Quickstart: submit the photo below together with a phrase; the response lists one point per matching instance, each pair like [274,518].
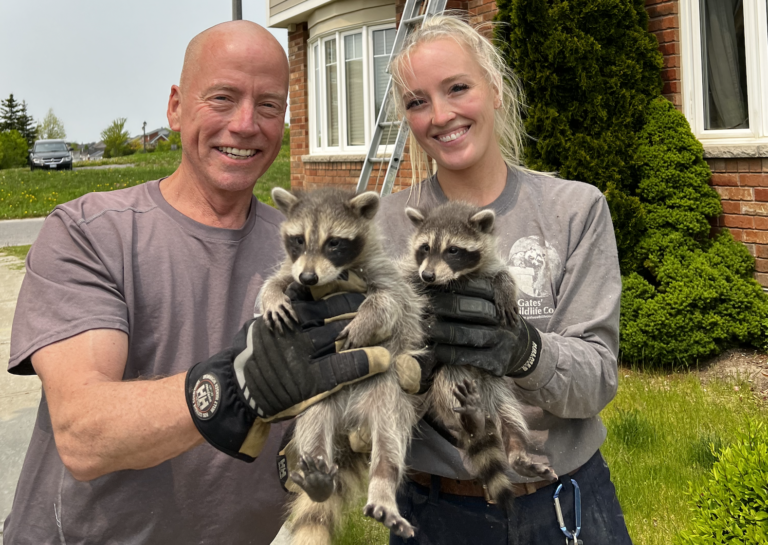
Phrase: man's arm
[103,424]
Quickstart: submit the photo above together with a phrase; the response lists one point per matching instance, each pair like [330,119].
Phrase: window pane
[724,65]
[332,93]
[318,100]
[383,40]
[353,66]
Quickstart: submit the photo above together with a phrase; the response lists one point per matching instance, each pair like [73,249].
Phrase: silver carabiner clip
[571,538]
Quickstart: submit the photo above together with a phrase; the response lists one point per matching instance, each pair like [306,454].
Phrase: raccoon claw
[391,519]
[317,478]
[283,316]
[528,468]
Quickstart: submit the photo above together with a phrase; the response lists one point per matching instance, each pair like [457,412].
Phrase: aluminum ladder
[415,12]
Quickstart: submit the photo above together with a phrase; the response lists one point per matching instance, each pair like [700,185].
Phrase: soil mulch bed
[739,364]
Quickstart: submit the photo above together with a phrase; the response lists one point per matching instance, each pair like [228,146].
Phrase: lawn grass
[25,194]
[660,429]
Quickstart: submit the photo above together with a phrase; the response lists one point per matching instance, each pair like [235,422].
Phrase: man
[146,283]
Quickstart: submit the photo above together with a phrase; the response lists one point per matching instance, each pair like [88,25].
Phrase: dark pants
[445,519]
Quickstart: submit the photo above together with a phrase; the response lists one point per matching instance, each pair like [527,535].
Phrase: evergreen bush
[588,69]
[732,507]
[692,296]
[592,75]
[13,150]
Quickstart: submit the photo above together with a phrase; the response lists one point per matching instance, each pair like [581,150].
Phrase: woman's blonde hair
[508,125]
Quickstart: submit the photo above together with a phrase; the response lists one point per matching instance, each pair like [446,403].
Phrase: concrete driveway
[19,396]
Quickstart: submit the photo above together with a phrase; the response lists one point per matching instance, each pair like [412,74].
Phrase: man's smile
[237,153]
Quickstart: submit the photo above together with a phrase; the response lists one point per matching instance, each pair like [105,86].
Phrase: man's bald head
[232,34]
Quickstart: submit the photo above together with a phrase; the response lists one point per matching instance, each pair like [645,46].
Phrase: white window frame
[368,100]
[756,49]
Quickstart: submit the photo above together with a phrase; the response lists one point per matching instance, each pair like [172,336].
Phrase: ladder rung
[412,20]
[379,160]
[386,124]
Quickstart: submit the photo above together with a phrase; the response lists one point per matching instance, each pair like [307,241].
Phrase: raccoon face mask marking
[343,251]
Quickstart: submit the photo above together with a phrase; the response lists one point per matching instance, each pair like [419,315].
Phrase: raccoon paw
[280,315]
[390,518]
[523,465]
[354,335]
[470,410]
[317,478]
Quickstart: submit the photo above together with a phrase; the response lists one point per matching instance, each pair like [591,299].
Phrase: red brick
[735,193]
[672,61]
[753,180]
[723,180]
[761,250]
[761,265]
[759,237]
[667,36]
[670,74]
[755,208]
[670,49]
[761,222]
[761,194]
[762,279]
[730,207]
[751,248]
[662,9]
[742,222]
[663,23]
[738,234]
[671,87]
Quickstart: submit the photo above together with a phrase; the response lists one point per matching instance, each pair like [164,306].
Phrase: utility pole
[237,10]
[144,131]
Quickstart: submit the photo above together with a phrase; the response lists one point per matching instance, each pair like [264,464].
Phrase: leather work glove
[467,331]
[265,377]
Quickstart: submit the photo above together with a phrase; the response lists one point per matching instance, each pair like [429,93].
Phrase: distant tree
[9,113]
[13,150]
[51,127]
[26,125]
[115,138]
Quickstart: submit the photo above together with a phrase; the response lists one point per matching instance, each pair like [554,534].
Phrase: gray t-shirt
[127,260]
[557,238]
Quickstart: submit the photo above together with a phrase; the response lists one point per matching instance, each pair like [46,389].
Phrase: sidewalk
[19,232]
[19,396]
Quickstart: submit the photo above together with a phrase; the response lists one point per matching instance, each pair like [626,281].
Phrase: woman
[460,101]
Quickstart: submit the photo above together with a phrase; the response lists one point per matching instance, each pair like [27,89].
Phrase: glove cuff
[530,357]
[219,414]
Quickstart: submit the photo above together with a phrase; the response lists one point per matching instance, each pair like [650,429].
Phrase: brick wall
[743,188]
[665,24]
[299,101]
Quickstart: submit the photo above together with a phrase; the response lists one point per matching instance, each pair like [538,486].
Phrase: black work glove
[265,377]
[467,331]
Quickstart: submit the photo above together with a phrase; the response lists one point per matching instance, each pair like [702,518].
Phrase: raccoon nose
[308,278]
[428,276]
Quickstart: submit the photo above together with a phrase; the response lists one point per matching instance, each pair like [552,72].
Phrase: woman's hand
[467,331]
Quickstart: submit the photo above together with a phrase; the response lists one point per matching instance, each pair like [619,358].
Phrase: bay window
[346,89]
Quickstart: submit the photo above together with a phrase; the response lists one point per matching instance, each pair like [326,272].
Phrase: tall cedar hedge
[592,76]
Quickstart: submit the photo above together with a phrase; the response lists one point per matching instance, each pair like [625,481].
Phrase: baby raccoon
[453,244]
[328,234]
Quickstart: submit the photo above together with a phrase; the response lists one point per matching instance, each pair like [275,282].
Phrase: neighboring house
[715,72]
[93,151]
[152,137]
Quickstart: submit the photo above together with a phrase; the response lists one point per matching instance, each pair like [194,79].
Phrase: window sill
[734,151]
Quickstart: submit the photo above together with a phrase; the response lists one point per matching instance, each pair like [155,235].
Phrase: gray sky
[93,61]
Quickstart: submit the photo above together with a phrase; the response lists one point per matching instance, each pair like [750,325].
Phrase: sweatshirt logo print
[532,261]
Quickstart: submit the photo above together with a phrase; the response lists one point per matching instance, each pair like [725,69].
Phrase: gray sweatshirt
[558,240]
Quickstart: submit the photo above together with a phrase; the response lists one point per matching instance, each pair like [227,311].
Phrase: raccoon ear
[366,204]
[284,200]
[416,217]
[483,221]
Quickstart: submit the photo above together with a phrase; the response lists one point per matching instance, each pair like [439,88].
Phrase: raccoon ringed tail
[488,458]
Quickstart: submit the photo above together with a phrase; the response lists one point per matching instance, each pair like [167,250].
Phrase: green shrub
[732,508]
[589,69]
[13,149]
[692,296]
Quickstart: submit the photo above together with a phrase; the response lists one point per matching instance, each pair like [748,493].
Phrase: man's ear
[284,200]
[365,204]
[174,109]
[483,221]
[416,217]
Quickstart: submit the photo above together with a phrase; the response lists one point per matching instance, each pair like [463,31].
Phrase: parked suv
[50,155]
